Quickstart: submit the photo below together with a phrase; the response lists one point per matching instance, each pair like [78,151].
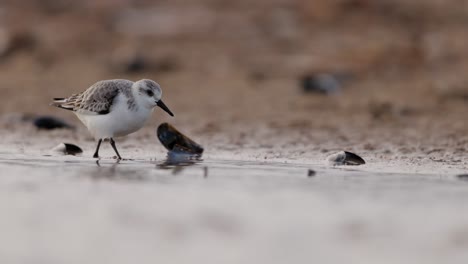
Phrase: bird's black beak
[164,107]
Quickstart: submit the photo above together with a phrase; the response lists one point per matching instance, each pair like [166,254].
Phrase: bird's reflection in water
[175,162]
[106,171]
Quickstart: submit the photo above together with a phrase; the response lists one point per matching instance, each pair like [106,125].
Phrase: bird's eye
[149,93]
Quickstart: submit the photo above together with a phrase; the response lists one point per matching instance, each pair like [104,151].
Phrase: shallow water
[74,210]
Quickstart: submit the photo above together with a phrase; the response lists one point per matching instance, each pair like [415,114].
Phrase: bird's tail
[61,103]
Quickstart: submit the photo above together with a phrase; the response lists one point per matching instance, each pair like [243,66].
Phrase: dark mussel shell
[174,141]
[68,149]
[345,158]
[353,159]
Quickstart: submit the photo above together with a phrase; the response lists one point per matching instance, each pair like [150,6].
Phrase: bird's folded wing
[96,100]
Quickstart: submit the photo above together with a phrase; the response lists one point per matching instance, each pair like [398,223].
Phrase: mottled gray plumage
[98,98]
[114,108]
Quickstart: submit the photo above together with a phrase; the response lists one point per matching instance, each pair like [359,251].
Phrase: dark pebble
[311,173]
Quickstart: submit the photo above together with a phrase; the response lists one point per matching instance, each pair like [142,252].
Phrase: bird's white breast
[120,121]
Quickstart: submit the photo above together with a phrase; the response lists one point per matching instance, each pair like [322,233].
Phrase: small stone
[67,149]
[345,158]
[463,177]
[311,173]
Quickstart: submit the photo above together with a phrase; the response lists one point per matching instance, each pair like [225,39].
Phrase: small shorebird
[114,108]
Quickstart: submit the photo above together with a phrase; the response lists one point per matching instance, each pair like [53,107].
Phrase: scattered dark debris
[14,118]
[454,94]
[50,122]
[369,146]
[463,177]
[136,62]
[345,158]
[311,173]
[387,110]
[68,149]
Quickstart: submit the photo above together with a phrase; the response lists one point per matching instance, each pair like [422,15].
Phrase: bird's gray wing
[99,98]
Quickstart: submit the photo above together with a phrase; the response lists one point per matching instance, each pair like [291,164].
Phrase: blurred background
[282,65]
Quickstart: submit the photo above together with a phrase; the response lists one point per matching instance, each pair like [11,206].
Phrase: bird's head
[150,93]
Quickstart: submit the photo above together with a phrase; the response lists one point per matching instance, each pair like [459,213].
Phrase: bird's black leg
[96,154]
[112,142]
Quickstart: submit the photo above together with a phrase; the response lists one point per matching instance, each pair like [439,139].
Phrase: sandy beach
[237,76]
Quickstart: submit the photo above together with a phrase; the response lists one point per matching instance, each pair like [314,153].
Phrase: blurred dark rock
[311,173]
[463,177]
[50,122]
[323,83]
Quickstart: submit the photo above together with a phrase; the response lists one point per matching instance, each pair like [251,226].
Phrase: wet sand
[239,205]
[70,210]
